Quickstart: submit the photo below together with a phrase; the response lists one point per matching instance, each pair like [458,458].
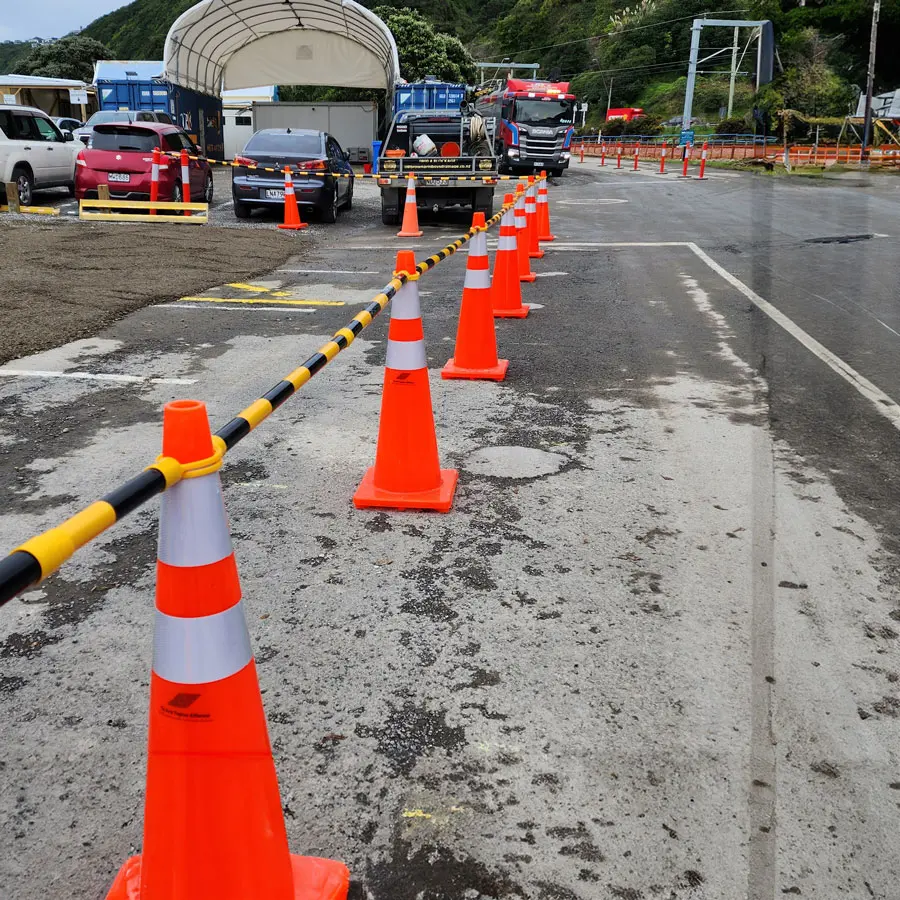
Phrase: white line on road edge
[242,308]
[889,408]
[94,376]
[545,275]
[328,271]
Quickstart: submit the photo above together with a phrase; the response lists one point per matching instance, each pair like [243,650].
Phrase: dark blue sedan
[322,176]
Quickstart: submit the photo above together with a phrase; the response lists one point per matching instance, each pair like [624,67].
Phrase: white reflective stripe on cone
[478,245]
[193,528]
[477,278]
[405,304]
[154,172]
[507,242]
[202,649]
[406,355]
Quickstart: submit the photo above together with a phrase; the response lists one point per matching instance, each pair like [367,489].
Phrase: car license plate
[274,194]
[118,176]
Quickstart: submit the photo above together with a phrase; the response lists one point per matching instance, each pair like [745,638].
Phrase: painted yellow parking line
[255,288]
[268,301]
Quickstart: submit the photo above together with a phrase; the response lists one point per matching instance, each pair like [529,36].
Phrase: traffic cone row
[406,474]
[213,822]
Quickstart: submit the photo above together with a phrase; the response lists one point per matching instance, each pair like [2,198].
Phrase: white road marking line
[884,404]
[597,202]
[548,274]
[242,308]
[93,376]
[328,271]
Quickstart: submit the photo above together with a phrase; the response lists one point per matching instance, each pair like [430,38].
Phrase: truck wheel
[555,173]
[390,212]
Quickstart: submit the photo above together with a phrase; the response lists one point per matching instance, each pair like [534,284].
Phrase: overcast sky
[49,18]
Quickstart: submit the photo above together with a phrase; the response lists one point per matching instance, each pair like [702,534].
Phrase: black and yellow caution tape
[43,554]
[375,176]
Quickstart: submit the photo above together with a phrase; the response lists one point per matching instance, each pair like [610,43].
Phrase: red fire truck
[535,124]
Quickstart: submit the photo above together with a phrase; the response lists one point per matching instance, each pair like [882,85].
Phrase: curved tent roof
[228,44]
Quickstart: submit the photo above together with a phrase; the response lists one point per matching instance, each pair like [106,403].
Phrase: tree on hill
[69,57]
[424,51]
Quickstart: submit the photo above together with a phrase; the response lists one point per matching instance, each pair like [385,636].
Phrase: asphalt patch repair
[66,281]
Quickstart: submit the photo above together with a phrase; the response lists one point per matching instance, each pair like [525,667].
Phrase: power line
[668,65]
[610,35]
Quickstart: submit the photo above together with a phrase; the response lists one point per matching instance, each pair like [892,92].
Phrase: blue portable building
[139,84]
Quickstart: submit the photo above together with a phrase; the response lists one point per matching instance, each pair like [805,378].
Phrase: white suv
[34,153]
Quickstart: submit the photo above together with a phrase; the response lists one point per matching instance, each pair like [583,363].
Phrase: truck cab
[537,121]
[455,171]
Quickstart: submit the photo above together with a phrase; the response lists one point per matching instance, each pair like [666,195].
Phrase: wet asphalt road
[652,652]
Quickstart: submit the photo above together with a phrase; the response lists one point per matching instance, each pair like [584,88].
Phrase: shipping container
[428,94]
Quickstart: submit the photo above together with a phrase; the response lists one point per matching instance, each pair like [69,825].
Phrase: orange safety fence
[799,155]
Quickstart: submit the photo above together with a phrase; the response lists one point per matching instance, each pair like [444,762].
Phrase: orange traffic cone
[476,338]
[410,226]
[506,290]
[525,273]
[534,246]
[543,211]
[292,220]
[213,826]
[406,474]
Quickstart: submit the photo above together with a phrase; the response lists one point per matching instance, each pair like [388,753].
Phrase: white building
[237,119]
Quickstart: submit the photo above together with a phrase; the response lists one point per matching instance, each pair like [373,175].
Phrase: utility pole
[870,82]
[609,98]
[734,65]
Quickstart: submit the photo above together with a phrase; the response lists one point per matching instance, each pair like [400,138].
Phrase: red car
[120,154]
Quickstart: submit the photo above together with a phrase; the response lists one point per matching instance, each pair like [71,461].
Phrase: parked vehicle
[66,124]
[120,155]
[83,134]
[627,113]
[314,157]
[141,85]
[536,121]
[445,149]
[34,153]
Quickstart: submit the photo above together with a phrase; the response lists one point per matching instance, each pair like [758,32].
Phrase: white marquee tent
[229,44]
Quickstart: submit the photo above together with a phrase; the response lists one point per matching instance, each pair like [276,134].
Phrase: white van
[34,153]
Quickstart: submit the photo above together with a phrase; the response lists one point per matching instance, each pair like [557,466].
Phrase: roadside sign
[687,136]
[78,97]
[9,99]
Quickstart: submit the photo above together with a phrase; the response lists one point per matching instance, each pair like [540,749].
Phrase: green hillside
[639,48]
[12,53]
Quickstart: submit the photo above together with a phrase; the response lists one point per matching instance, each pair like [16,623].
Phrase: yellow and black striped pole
[43,554]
